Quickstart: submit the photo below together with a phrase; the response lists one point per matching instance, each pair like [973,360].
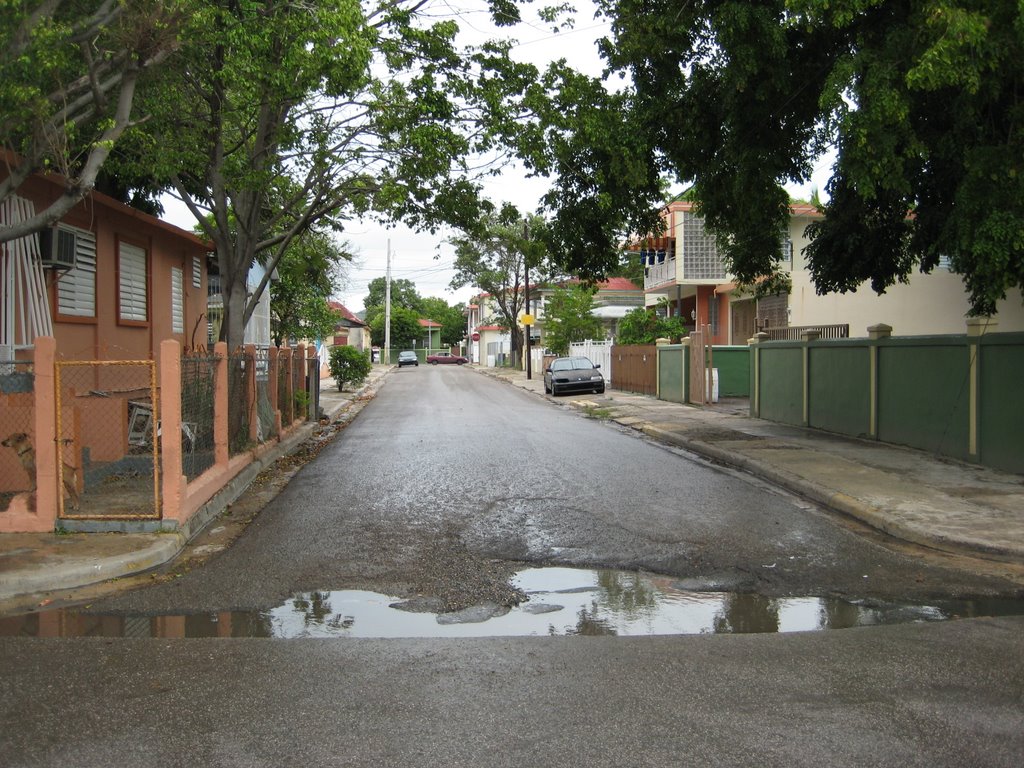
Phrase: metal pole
[387,310]
[526,264]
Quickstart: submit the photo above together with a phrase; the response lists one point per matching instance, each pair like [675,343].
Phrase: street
[443,487]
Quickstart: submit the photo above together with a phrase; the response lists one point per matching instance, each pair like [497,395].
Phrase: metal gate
[701,366]
[108,433]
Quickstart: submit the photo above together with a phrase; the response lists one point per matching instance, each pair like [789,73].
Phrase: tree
[920,99]
[307,276]
[494,256]
[403,294]
[568,318]
[349,366]
[644,325]
[452,320]
[70,74]
[282,114]
[405,328]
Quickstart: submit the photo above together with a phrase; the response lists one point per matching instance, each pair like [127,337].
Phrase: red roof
[424,323]
[343,311]
[489,328]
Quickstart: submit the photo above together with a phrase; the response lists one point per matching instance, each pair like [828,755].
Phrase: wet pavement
[909,495]
[558,602]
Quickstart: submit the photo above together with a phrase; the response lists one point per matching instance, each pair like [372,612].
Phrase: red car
[445,358]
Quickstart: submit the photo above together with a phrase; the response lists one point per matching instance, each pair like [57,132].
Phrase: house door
[108,431]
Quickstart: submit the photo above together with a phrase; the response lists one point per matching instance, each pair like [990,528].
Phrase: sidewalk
[911,495]
[35,563]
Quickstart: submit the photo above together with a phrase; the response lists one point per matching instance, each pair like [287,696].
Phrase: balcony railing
[660,274]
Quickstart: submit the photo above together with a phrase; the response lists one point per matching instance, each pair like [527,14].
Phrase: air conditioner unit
[57,248]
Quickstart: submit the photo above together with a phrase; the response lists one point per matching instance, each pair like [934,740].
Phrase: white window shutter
[76,288]
[177,300]
[132,266]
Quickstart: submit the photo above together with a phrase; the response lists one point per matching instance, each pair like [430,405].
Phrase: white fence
[599,352]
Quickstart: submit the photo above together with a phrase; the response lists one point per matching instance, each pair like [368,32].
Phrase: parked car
[572,374]
[446,358]
[408,358]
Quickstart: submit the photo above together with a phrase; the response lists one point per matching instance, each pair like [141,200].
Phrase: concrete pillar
[876,333]
[755,369]
[976,328]
[44,517]
[170,429]
[221,397]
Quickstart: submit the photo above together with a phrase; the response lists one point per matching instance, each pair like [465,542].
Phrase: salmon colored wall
[106,337]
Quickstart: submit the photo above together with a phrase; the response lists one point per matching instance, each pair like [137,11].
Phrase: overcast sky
[427,259]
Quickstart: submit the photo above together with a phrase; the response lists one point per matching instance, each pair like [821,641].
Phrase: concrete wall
[954,395]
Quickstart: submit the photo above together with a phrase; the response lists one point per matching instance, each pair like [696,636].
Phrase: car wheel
[599,391]
[554,391]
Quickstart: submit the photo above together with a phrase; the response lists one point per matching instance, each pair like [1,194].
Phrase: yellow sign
[527,319]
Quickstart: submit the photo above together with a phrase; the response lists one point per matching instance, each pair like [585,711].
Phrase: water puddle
[563,601]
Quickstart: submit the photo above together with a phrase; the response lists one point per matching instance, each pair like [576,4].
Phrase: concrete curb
[80,574]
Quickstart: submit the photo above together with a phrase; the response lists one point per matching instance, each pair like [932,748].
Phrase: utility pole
[527,317]
[387,310]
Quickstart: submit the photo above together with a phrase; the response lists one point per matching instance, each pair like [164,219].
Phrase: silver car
[573,374]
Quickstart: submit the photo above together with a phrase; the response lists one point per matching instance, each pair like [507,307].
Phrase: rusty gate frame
[154,439]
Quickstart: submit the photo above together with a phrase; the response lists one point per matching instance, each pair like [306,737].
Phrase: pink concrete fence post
[220,405]
[288,416]
[44,517]
[170,428]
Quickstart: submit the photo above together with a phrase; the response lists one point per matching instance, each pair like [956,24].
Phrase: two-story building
[684,269]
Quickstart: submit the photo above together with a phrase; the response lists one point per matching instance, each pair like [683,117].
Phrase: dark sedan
[573,374]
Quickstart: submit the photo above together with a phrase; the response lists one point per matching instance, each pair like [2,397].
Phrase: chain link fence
[108,432]
[17,416]
[198,384]
[264,407]
[239,403]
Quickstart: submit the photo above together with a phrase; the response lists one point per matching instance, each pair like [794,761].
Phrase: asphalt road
[446,483]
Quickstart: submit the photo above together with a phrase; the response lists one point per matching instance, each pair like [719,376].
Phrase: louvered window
[132,283]
[76,288]
[197,272]
[177,300]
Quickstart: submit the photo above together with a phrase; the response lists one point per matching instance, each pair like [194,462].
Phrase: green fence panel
[781,383]
[671,373]
[924,394]
[1001,401]
[840,394]
[733,364]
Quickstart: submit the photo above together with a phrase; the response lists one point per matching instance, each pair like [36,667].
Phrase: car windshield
[571,364]
[407,354]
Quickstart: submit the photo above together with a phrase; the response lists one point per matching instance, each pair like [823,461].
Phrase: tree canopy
[918,98]
[494,255]
[271,117]
[69,78]
[307,276]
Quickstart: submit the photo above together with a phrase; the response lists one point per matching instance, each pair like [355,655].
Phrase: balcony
[656,275]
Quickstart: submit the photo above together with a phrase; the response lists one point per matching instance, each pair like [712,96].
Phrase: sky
[427,259]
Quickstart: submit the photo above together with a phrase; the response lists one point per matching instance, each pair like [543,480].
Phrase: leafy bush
[349,366]
[643,326]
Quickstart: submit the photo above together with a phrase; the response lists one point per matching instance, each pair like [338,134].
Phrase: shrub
[349,366]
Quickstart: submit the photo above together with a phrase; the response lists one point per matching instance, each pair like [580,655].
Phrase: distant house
[431,338]
[684,270]
[613,300]
[350,329]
